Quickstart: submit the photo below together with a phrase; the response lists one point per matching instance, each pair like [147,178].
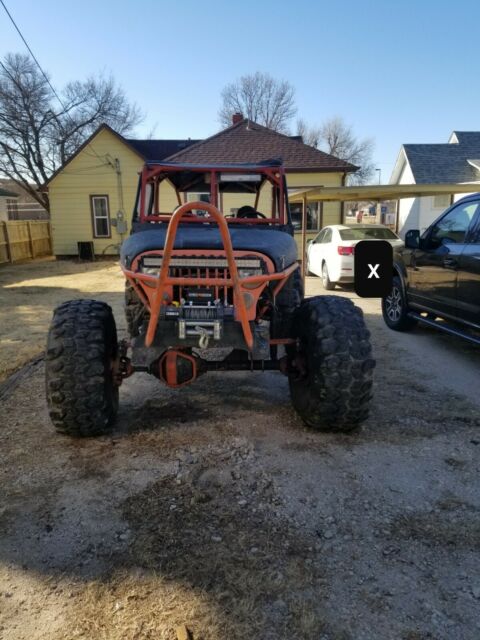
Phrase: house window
[12,208]
[441,201]
[100,216]
[314,215]
[201,196]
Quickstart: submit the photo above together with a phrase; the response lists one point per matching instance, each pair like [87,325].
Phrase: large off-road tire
[395,308]
[288,300]
[331,369]
[135,312]
[291,294]
[327,283]
[82,396]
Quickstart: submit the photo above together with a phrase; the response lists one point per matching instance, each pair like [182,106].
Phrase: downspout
[121,210]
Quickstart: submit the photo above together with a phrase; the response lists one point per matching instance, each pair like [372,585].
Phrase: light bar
[245,263]
[240,177]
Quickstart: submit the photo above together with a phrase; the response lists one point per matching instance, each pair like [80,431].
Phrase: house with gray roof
[8,199]
[456,161]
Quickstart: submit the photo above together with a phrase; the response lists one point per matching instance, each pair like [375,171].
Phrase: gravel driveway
[214,507]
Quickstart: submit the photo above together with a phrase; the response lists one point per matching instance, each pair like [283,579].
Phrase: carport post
[304,233]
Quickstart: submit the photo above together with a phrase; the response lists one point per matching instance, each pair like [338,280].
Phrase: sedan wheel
[327,283]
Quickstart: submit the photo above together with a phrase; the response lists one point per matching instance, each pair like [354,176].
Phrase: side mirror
[412,239]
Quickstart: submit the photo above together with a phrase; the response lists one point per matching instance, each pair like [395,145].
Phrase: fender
[400,270]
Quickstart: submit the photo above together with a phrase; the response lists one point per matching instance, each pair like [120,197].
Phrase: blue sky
[396,71]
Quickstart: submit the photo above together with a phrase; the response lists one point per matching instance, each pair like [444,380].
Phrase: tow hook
[204,337]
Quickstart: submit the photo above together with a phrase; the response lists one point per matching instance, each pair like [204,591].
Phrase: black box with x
[373,268]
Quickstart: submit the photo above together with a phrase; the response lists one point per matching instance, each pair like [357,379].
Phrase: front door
[468,284]
[433,270]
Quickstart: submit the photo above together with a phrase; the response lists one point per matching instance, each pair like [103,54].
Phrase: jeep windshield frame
[214,180]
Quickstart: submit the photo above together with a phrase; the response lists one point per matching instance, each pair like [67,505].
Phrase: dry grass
[210,506]
[29,293]
[225,570]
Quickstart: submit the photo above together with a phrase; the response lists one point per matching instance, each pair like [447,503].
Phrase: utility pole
[378,208]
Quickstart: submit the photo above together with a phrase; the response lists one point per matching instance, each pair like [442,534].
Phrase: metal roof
[381,192]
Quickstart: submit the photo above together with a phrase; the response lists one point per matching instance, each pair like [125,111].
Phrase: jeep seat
[279,246]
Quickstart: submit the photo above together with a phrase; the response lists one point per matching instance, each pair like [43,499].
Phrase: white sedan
[330,254]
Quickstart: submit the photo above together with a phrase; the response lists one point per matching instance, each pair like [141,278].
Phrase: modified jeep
[210,291]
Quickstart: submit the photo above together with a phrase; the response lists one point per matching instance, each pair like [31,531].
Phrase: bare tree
[338,139]
[334,136]
[260,98]
[37,134]
[310,135]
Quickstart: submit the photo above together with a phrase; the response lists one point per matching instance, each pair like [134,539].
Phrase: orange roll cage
[154,300]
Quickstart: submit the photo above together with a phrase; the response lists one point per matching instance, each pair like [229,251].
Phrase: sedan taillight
[346,251]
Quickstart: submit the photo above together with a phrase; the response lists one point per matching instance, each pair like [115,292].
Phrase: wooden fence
[24,239]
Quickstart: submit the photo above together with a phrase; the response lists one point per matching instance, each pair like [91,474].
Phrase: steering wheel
[249,212]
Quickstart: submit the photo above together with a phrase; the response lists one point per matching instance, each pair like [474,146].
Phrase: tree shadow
[174,500]
[103,512]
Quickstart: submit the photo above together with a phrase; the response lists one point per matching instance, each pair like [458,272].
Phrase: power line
[31,53]
[42,72]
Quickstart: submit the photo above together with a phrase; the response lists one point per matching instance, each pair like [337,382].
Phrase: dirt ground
[30,291]
[213,506]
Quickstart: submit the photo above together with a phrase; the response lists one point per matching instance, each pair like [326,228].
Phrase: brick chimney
[237,117]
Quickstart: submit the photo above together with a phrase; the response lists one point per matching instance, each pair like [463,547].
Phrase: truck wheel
[327,283]
[82,396]
[286,304]
[395,308]
[292,293]
[331,369]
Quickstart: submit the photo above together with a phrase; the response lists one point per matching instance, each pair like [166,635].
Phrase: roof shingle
[153,150]
[249,142]
[437,163]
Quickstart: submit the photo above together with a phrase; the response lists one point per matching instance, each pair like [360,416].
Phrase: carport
[372,193]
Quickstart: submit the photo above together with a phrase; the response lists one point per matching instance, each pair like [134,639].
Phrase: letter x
[373,271]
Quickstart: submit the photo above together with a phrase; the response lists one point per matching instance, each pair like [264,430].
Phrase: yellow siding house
[96,185]
[96,188]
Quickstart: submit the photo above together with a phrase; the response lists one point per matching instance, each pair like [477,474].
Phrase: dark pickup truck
[436,279]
